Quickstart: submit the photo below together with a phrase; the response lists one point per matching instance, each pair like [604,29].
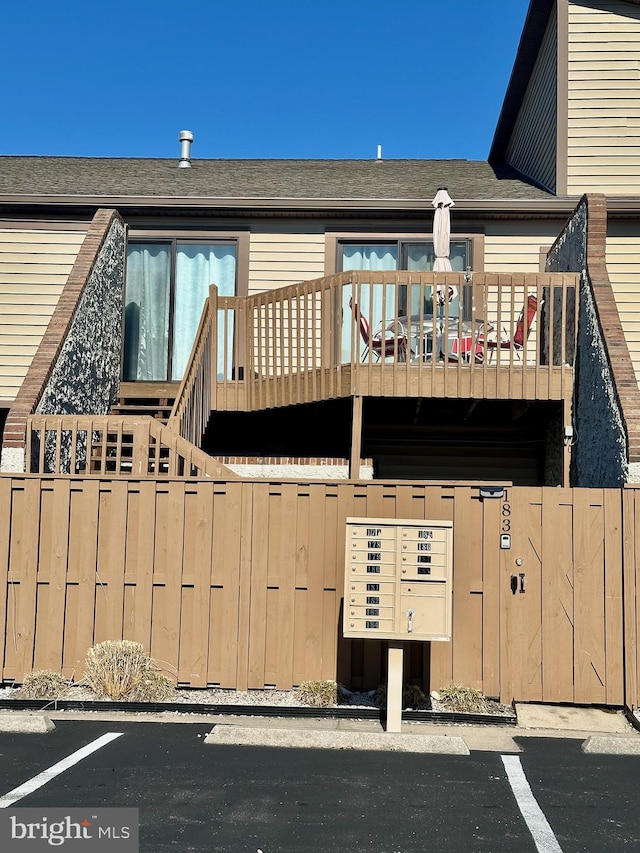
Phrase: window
[415,255]
[167,283]
[399,254]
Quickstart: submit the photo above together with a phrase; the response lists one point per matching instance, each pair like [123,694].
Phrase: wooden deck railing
[99,446]
[383,334]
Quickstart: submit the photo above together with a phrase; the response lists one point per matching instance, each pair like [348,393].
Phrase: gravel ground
[272,698]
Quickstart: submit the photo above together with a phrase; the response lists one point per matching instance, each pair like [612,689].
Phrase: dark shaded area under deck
[407,438]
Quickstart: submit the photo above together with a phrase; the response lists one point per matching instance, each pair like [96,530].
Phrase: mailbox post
[397,586]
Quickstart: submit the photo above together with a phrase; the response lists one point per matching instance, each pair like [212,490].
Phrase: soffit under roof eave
[294,206]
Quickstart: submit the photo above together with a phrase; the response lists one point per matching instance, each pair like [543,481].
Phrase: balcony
[501,337]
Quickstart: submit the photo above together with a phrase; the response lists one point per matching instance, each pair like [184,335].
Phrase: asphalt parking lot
[194,796]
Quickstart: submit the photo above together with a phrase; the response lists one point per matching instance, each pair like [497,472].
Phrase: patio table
[451,336]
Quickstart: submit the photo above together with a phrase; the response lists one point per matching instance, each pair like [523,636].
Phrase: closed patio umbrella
[441,240]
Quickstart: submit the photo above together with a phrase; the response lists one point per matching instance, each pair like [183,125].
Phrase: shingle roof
[260,179]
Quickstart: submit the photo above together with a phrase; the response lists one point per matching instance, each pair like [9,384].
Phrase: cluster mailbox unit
[397,587]
[397,581]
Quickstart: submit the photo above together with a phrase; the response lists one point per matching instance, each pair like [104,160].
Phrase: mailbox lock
[410,615]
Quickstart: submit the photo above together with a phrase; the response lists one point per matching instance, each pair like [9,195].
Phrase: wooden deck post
[356,439]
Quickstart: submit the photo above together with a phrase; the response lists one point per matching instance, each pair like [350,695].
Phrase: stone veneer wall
[606,449]
[76,369]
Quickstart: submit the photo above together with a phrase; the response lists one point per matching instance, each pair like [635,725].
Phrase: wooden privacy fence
[239,584]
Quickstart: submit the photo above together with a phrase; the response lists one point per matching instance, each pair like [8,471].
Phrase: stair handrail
[56,442]
[192,406]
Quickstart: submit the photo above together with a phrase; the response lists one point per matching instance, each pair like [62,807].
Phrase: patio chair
[521,332]
[386,342]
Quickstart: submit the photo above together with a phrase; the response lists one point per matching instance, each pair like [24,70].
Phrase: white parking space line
[56,769]
[543,836]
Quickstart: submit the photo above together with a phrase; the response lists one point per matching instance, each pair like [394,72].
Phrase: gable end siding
[532,149]
[604,98]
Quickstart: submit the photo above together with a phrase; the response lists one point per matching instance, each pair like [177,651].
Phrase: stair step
[158,407]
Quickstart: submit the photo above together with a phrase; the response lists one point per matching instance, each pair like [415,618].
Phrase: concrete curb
[611,745]
[35,724]
[313,739]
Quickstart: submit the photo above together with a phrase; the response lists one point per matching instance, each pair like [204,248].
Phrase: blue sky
[280,78]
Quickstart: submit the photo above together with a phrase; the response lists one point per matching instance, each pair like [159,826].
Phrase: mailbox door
[423,610]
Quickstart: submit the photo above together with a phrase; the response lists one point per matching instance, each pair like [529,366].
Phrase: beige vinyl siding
[277,259]
[532,148]
[515,246]
[623,264]
[604,99]
[34,267]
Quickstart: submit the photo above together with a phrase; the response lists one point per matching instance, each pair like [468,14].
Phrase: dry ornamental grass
[412,697]
[43,684]
[455,697]
[319,694]
[120,669]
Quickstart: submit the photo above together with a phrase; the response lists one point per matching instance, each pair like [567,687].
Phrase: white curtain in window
[198,266]
[369,257]
[365,257]
[146,312]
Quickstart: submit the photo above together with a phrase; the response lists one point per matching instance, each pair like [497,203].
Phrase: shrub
[458,698]
[155,686]
[320,694]
[412,697]
[120,669]
[43,684]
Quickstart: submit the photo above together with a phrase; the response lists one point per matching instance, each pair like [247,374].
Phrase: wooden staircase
[146,399]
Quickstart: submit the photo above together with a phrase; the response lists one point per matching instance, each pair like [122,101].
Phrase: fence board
[631,522]
[167,576]
[227,544]
[258,585]
[79,610]
[5,551]
[614,672]
[26,524]
[589,636]
[244,602]
[467,590]
[491,597]
[314,614]
[111,557]
[52,574]
[557,597]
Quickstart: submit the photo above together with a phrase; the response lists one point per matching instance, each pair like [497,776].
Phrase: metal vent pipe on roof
[186,138]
